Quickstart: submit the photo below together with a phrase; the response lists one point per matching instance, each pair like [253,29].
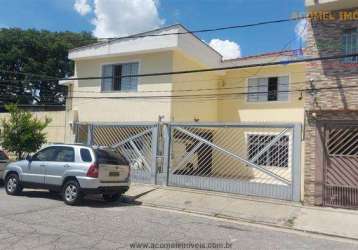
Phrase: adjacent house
[331,131]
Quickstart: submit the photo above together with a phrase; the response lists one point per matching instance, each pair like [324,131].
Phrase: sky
[113,18]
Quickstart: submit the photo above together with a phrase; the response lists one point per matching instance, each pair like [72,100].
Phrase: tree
[22,133]
[41,53]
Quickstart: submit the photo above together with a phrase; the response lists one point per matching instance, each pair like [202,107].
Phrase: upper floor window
[115,81]
[268,89]
[350,45]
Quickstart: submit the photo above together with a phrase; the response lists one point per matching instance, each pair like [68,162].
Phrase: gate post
[166,153]
[296,162]
[154,171]
[90,134]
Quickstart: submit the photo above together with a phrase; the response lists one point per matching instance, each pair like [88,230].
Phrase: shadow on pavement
[94,201]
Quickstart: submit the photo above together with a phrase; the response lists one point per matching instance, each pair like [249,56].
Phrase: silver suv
[73,170]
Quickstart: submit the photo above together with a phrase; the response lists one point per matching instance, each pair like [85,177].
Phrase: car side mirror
[29,158]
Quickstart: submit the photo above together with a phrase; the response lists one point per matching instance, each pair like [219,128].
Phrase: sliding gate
[249,159]
[135,141]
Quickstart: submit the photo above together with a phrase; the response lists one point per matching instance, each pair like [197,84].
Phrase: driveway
[38,220]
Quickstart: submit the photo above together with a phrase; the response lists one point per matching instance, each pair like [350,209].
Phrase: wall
[191,107]
[323,39]
[105,107]
[56,129]
[236,108]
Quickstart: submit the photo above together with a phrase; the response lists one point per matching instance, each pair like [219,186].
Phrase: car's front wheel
[12,184]
[71,193]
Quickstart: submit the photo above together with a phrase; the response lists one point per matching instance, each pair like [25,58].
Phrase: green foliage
[39,52]
[22,133]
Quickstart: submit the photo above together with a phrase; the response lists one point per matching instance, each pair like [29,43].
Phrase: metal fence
[137,142]
[250,159]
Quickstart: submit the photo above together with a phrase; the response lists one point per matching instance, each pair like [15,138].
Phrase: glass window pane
[47,154]
[130,83]
[65,154]
[85,155]
[252,88]
[107,71]
[3,156]
[283,88]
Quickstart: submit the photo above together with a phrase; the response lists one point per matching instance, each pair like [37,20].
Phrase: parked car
[4,159]
[72,170]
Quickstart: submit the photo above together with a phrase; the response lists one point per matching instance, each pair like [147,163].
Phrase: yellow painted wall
[56,129]
[193,107]
[238,109]
[101,108]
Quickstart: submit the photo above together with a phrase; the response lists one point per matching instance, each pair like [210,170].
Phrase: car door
[63,160]
[34,172]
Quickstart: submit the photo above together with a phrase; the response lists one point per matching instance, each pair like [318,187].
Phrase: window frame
[114,63]
[67,147]
[289,98]
[348,60]
[90,153]
[289,135]
[56,148]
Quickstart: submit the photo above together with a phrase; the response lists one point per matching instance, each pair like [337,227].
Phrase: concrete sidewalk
[328,221]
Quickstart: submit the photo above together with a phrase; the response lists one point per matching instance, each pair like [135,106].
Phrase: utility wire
[285,62]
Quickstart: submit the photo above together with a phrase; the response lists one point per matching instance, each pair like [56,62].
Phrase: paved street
[38,220]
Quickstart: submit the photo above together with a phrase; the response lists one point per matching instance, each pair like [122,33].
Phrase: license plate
[113,174]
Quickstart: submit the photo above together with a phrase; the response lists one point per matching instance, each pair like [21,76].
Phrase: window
[85,155]
[47,154]
[65,154]
[114,80]
[342,141]
[59,154]
[3,156]
[109,157]
[350,45]
[275,156]
[268,89]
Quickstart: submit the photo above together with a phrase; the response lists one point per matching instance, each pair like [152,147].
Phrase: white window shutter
[252,88]
[263,89]
[107,71]
[283,88]
[130,83]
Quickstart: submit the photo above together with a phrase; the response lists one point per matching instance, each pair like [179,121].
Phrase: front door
[34,172]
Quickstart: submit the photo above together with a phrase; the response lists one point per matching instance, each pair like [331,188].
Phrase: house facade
[331,136]
[223,95]
[101,93]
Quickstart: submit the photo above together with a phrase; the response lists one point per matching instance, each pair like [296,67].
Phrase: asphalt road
[38,220]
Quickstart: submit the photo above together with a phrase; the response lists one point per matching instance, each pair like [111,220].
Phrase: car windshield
[110,157]
[3,156]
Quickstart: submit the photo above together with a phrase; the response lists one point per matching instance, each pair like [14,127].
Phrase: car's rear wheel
[111,197]
[71,193]
[12,185]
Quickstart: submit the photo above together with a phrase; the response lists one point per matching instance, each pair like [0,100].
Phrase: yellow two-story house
[171,75]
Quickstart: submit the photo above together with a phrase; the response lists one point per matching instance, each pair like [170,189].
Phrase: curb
[260,223]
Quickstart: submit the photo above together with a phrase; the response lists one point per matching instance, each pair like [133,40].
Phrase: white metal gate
[250,159]
[137,142]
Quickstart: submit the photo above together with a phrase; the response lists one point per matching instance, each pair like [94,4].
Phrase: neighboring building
[331,132]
